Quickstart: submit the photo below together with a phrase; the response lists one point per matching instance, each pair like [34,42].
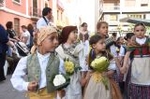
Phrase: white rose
[59,80]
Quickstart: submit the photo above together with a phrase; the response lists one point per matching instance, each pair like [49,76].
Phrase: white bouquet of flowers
[60,81]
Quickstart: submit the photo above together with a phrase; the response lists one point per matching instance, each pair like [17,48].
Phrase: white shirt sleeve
[112,65]
[17,78]
[82,61]
[61,67]
[40,23]
[122,51]
[113,50]
[86,48]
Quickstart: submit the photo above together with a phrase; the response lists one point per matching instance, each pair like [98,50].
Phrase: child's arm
[125,63]
[61,92]
[17,78]
[86,78]
[111,69]
[32,86]
[84,66]
[83,78]
[118,64]
[110,73]
[122,53]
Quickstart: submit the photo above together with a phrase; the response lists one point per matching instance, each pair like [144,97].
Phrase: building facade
[115,10]
[24,12]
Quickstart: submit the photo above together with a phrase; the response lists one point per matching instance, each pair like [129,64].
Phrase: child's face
[103,29]
[50,42]
[85,27]
[131,40]
[121,40]
[100,45]
[73,35]
[139,31]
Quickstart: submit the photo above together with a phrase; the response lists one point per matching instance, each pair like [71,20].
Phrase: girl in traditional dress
[84,39]
[138,78]
[40,67]
[102,30]
[72,51]
[96,87]
[84,33]
[129,37]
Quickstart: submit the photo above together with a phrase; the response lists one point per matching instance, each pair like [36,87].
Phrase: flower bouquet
[70,67]
[60,81]
[100,65]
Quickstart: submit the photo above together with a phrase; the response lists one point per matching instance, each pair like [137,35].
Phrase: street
[8,92]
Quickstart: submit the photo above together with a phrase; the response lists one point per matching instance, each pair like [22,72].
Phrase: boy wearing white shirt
[39,67]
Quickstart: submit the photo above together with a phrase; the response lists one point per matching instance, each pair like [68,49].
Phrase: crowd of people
[100,66]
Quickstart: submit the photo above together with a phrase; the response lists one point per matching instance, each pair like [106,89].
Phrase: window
[35,10]
[18,1]
[113,17]
[61,15]
[135,16]
[1,3]
[116,6]
[17,25]
[144,5]
[144,16]
[57,14]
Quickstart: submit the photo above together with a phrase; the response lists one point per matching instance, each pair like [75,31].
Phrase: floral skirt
[139,92]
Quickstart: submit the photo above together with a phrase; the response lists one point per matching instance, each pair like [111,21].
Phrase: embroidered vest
[140,65]
[141,50]
[34,70]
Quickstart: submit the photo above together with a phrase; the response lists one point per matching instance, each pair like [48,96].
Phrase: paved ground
[8,92]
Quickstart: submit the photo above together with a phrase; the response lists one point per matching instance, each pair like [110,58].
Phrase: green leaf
[105,82]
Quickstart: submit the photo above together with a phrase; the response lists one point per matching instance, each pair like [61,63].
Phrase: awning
[135,21]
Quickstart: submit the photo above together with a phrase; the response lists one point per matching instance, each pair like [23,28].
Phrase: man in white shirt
[45,19]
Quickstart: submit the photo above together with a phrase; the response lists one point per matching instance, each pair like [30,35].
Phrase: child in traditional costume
[138,78]
[102,30]
[40,67]
[72,52]
[122,52]
[100,85]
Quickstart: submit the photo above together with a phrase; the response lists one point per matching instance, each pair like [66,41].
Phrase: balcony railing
[35,12]
[1,3]
[111,8]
